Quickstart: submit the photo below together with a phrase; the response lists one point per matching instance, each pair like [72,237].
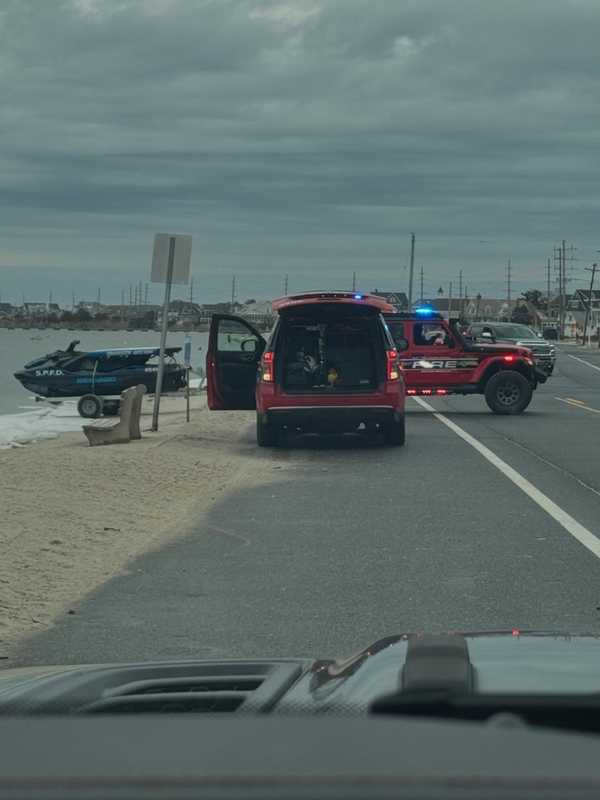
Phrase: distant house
[184,310]
[92,307]
[7,310]
[398,299]
[35,309]
[580,300]
[486,308]
[216,308]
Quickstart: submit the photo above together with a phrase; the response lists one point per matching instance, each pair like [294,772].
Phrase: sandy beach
[74,515]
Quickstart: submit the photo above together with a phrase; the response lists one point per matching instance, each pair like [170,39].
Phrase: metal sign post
[187,360]
[170,264]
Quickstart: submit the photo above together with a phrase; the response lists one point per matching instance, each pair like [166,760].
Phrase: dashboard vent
[202,688]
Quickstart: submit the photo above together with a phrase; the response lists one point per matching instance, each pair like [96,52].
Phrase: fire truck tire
[508,392]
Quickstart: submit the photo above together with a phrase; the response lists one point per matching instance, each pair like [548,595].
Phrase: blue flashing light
[425,311]
[358,296]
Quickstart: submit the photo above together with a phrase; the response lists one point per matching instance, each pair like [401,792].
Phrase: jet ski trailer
[98,377]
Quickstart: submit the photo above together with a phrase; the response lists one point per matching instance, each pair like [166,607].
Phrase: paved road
[351,542]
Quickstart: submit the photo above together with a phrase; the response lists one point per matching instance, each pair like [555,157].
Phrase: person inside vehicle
[427,335]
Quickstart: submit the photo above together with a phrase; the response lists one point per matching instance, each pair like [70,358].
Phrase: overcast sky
[307,137]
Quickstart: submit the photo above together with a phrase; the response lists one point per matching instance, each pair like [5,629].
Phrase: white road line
[583,535]
[583,361]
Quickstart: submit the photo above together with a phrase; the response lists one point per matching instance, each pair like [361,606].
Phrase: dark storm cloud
[308,137]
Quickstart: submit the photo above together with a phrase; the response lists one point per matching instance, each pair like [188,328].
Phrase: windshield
[303,205]
[515,332]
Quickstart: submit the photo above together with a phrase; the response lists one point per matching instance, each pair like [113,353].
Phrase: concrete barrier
[136,411]
[109,431]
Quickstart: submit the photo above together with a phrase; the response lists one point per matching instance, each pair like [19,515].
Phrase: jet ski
[101,373]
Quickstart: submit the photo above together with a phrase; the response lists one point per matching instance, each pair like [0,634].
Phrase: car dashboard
[409,716]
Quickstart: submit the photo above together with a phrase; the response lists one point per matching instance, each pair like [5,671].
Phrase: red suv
[329,365]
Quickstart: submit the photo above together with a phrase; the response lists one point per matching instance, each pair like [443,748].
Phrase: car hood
[496,349]
[509,661]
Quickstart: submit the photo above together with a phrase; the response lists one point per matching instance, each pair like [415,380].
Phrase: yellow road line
[577,404]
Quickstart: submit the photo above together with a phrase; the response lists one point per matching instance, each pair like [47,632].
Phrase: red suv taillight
[266,367]
[393,368]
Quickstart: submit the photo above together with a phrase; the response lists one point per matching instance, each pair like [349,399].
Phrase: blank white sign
[181,261]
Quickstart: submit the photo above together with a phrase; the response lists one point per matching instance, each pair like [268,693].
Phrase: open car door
[234,351]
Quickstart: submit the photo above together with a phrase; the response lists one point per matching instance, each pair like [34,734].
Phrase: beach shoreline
[75,516]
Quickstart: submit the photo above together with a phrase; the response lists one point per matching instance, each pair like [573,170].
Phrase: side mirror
[249,346]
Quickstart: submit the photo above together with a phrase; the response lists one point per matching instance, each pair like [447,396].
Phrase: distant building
[92,307]
[184,310]
[7,310]
[483,308]
[398,299]
[35,309]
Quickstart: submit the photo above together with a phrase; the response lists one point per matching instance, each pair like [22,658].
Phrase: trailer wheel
[508,392]
[90,406]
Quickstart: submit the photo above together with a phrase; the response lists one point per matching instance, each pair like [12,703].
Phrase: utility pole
[548,280]
[563,288]
[191,290]
[99,296]
[232,292]
[285,286]
[421,287]
[460,291]
[72,299]
[354,281]
[146,290]
[588,310]
[508,283]
[412,270]
[130,295]
[449,300]
[140,293]
[561,310]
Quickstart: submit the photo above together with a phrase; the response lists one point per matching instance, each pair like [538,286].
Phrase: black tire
[266,435]
[508,392]
[395,433]
[89,406]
